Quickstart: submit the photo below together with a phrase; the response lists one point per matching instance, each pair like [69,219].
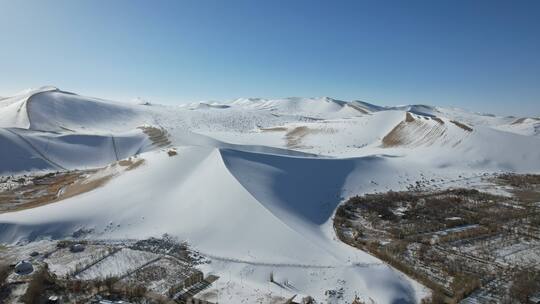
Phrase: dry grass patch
[526,187]
[449,240]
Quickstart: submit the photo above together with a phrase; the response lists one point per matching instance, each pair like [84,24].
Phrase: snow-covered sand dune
[50,129]
[26,150]
[49,109]
[194,196]
[253,183]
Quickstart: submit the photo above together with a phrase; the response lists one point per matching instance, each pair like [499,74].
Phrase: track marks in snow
[35,149]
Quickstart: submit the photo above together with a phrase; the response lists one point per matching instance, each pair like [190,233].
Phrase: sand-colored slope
[416,131]
[54,187]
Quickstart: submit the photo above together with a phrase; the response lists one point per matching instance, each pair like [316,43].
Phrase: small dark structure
[77,248]
[24,267]
[535,298]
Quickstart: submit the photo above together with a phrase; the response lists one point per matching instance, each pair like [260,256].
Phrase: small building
[24,267]
[535,298]
[296,299]
[77,248]
[300,299]
[100,300]
[53,300]
[189,277]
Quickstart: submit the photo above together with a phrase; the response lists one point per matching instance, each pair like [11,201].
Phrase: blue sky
[479,55]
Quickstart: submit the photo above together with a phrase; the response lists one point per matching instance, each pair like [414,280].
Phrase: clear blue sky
[480,55]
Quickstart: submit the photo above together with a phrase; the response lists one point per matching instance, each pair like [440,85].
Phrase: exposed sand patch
[523,120]
[295,136]
[462,125]
[357,108]
[274,129]
[131,163]
[44,190]
[158,136]
[394,138]
[54,187]
[437,119]
[519,121]
[413,132]
[82,186]
[409,117]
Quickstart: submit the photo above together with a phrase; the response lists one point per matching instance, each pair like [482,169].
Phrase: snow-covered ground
[254,183]
[118,264]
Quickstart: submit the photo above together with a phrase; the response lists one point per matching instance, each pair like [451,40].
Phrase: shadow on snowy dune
[307,188]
